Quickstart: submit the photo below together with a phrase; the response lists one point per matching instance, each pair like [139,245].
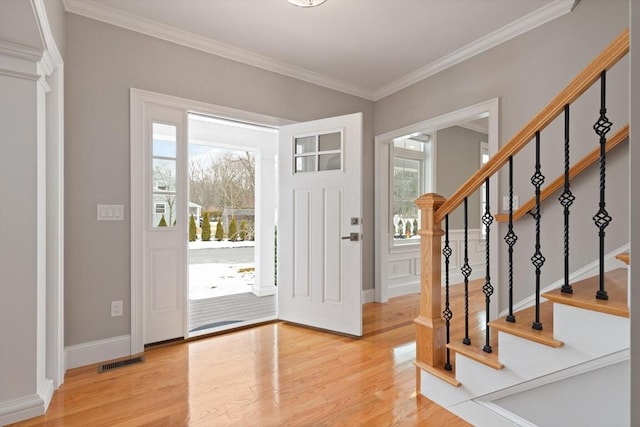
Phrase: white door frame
[383,234]
[137,103]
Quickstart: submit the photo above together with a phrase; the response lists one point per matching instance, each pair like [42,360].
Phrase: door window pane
[318,153]
[163,175]
[329,141]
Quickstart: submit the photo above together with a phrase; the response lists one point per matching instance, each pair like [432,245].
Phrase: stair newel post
[447,314]
[537,259]
[566,200]
[511,239]
[466,272]
[602,218]
[430,337]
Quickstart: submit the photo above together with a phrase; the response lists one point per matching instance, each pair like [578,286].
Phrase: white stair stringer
[587,335]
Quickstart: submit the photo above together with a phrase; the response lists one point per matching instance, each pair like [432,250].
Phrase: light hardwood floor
[270,375]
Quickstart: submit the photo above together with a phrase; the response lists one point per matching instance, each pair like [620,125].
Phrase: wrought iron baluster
[466,272]
[511,239]
[537,259]
[487,289]
[447,314]
[566,200]
[602,218]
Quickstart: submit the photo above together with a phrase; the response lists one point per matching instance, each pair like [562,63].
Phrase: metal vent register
[120,364]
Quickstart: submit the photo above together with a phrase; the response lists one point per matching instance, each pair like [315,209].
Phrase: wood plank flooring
[270,375]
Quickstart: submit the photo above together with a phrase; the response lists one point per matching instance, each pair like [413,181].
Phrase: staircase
[540,364]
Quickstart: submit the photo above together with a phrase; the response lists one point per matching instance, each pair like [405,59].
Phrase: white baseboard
[368,295]
[97,351]
[21,409]
[591,269]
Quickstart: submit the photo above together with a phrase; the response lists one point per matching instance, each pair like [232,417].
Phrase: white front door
[164,223]
[319,224]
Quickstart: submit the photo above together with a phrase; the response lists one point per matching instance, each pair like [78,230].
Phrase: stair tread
[522,327]
[584,294]
[624,257]
[474,350]
[443,374]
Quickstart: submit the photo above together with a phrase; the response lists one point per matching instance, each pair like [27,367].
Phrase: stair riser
[593,334]
[441,392]
[531,360]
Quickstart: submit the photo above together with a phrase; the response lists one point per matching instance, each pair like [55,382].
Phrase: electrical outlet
[505,203]
[116,308]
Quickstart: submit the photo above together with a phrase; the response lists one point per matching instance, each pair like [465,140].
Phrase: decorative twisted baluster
[537,259]
[602,218]
[447,314]
[487,289]
[466,272]
[566,200]
[510,238]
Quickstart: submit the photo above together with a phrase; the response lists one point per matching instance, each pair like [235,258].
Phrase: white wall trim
[588,270]
[368,295]
[171,34]
[97,351]
[21,409]
[504,34]
[93,10]
[20,51]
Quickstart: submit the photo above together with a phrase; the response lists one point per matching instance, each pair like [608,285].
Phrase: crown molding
[20,51]
[99,12]
[508,32]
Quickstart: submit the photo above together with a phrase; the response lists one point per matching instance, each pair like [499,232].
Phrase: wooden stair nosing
[446,376]
[624,257]
[522,327]
[477,354]
[584,292]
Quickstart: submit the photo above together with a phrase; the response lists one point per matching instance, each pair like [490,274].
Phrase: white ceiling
[369,48]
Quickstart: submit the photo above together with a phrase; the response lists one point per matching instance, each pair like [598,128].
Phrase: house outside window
[160,208]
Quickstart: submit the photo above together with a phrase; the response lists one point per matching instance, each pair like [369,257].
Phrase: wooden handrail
[583,81]
[579,167]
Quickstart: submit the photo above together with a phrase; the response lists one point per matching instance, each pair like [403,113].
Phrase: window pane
[305,144]
[164,140]
[164,175]
[306,164]
[164,210]
[329,162]
[330,141]
[406,188]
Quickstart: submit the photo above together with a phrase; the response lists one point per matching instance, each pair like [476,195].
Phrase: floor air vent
[120,364]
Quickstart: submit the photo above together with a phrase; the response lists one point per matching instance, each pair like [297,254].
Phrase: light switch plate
[110,212]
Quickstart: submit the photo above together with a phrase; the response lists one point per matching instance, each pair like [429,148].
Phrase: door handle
[352,237]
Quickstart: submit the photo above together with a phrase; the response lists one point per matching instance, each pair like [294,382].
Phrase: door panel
[319,270]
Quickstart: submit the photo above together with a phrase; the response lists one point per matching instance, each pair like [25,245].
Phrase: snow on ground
[199,244]
[219,279]
[216,279]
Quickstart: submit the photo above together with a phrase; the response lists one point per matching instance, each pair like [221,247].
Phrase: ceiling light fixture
[306,3]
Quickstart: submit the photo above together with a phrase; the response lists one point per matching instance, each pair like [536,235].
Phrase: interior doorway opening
[226,226]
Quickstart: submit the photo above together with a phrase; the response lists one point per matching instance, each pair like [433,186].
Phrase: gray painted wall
[526,73]
[458,154]
[102,63]
[634,161]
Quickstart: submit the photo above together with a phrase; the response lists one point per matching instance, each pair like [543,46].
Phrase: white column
[266,192]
